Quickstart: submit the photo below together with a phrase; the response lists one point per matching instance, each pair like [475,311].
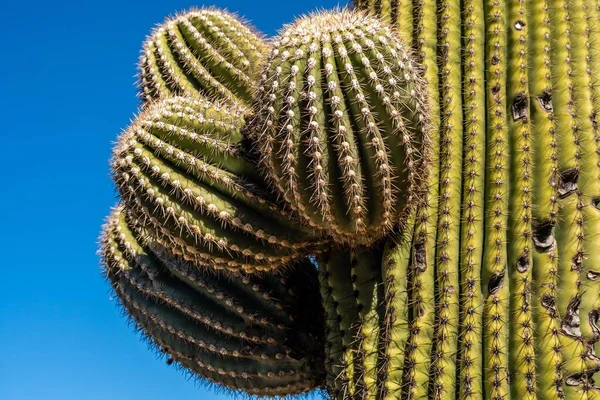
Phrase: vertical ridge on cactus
[207,52]
[339,112]
[251,350]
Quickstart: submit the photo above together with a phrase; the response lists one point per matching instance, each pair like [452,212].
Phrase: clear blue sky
[66,90]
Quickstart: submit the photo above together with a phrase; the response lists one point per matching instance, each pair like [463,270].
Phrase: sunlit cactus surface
[397,200]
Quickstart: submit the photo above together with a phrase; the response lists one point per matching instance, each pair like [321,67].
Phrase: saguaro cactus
[207,51]
[251,334]
[441,162]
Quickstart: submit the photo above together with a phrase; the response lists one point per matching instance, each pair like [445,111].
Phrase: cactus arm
[548,342]
[470,382]
[308,158]
[395,275]
[495,280]
[197,331]
[202,52]
[212,213]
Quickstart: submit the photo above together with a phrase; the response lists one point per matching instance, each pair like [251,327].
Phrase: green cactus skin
[180,169]
[352,290]
[514,312]
[206,51]
[339,114]
[260,336]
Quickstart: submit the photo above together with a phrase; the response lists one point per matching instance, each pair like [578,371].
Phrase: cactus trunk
[496,294]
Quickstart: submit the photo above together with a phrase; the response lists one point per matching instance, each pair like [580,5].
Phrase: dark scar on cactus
[519,107]
[420,256]
[523,264]
[596,203]
[549,303]
[568,182]
[496,282]
[543,239]
[570,323]
[519,25]
[576,379]
[545,101]
[593,275]
[594,317]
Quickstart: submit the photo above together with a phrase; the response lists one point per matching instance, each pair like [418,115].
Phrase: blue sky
[66,90]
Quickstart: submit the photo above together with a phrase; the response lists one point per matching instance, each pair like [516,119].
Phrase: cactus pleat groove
[207,51]
[339,115]
[517,162]
[262,350]
[181,170]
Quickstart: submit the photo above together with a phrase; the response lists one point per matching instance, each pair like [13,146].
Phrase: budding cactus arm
[203,334]
[183,157]
[340,152]
[207,51]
